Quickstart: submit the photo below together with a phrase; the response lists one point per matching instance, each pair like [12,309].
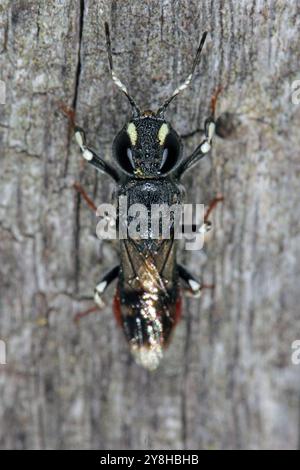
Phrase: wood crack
[79,63]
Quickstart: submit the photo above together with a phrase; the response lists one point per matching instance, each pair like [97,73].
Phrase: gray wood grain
[227,380]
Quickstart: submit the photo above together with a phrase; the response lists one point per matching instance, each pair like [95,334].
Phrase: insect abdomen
[148,321]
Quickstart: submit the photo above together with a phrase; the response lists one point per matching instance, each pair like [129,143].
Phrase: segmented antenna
[188,80]
[135,110]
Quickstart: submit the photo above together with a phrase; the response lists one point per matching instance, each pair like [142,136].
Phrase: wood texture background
[227,380]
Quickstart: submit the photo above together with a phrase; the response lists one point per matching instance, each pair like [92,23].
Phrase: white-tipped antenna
[188,80]
[135,110]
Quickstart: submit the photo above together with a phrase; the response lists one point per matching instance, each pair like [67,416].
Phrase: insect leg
[211,207]
[109,218]
[85,196]
[68,112]
[205,145]
[194,285]
[190,134]
[201,150]
[89,155]
[104,283]
[207,225]
[99,291]
[204,228]
[85,313]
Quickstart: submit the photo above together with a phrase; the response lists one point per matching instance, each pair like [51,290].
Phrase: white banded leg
[201,150]
[207,225]
[80,139]
[195,287]
[91,156]
[103,285]
[210,128]
[203,229]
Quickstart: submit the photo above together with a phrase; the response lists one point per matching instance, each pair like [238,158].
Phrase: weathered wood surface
[227,380]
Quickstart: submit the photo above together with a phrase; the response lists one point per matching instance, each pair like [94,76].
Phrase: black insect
[148,169]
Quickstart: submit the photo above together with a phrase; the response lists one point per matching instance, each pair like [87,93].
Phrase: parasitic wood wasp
[148,168]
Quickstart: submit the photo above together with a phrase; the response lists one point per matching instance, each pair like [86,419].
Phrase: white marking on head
[162,133]
[87,154]
[132,132]
[205,147]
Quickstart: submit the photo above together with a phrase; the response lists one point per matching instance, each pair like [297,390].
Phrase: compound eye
[171,153]
[123,152]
